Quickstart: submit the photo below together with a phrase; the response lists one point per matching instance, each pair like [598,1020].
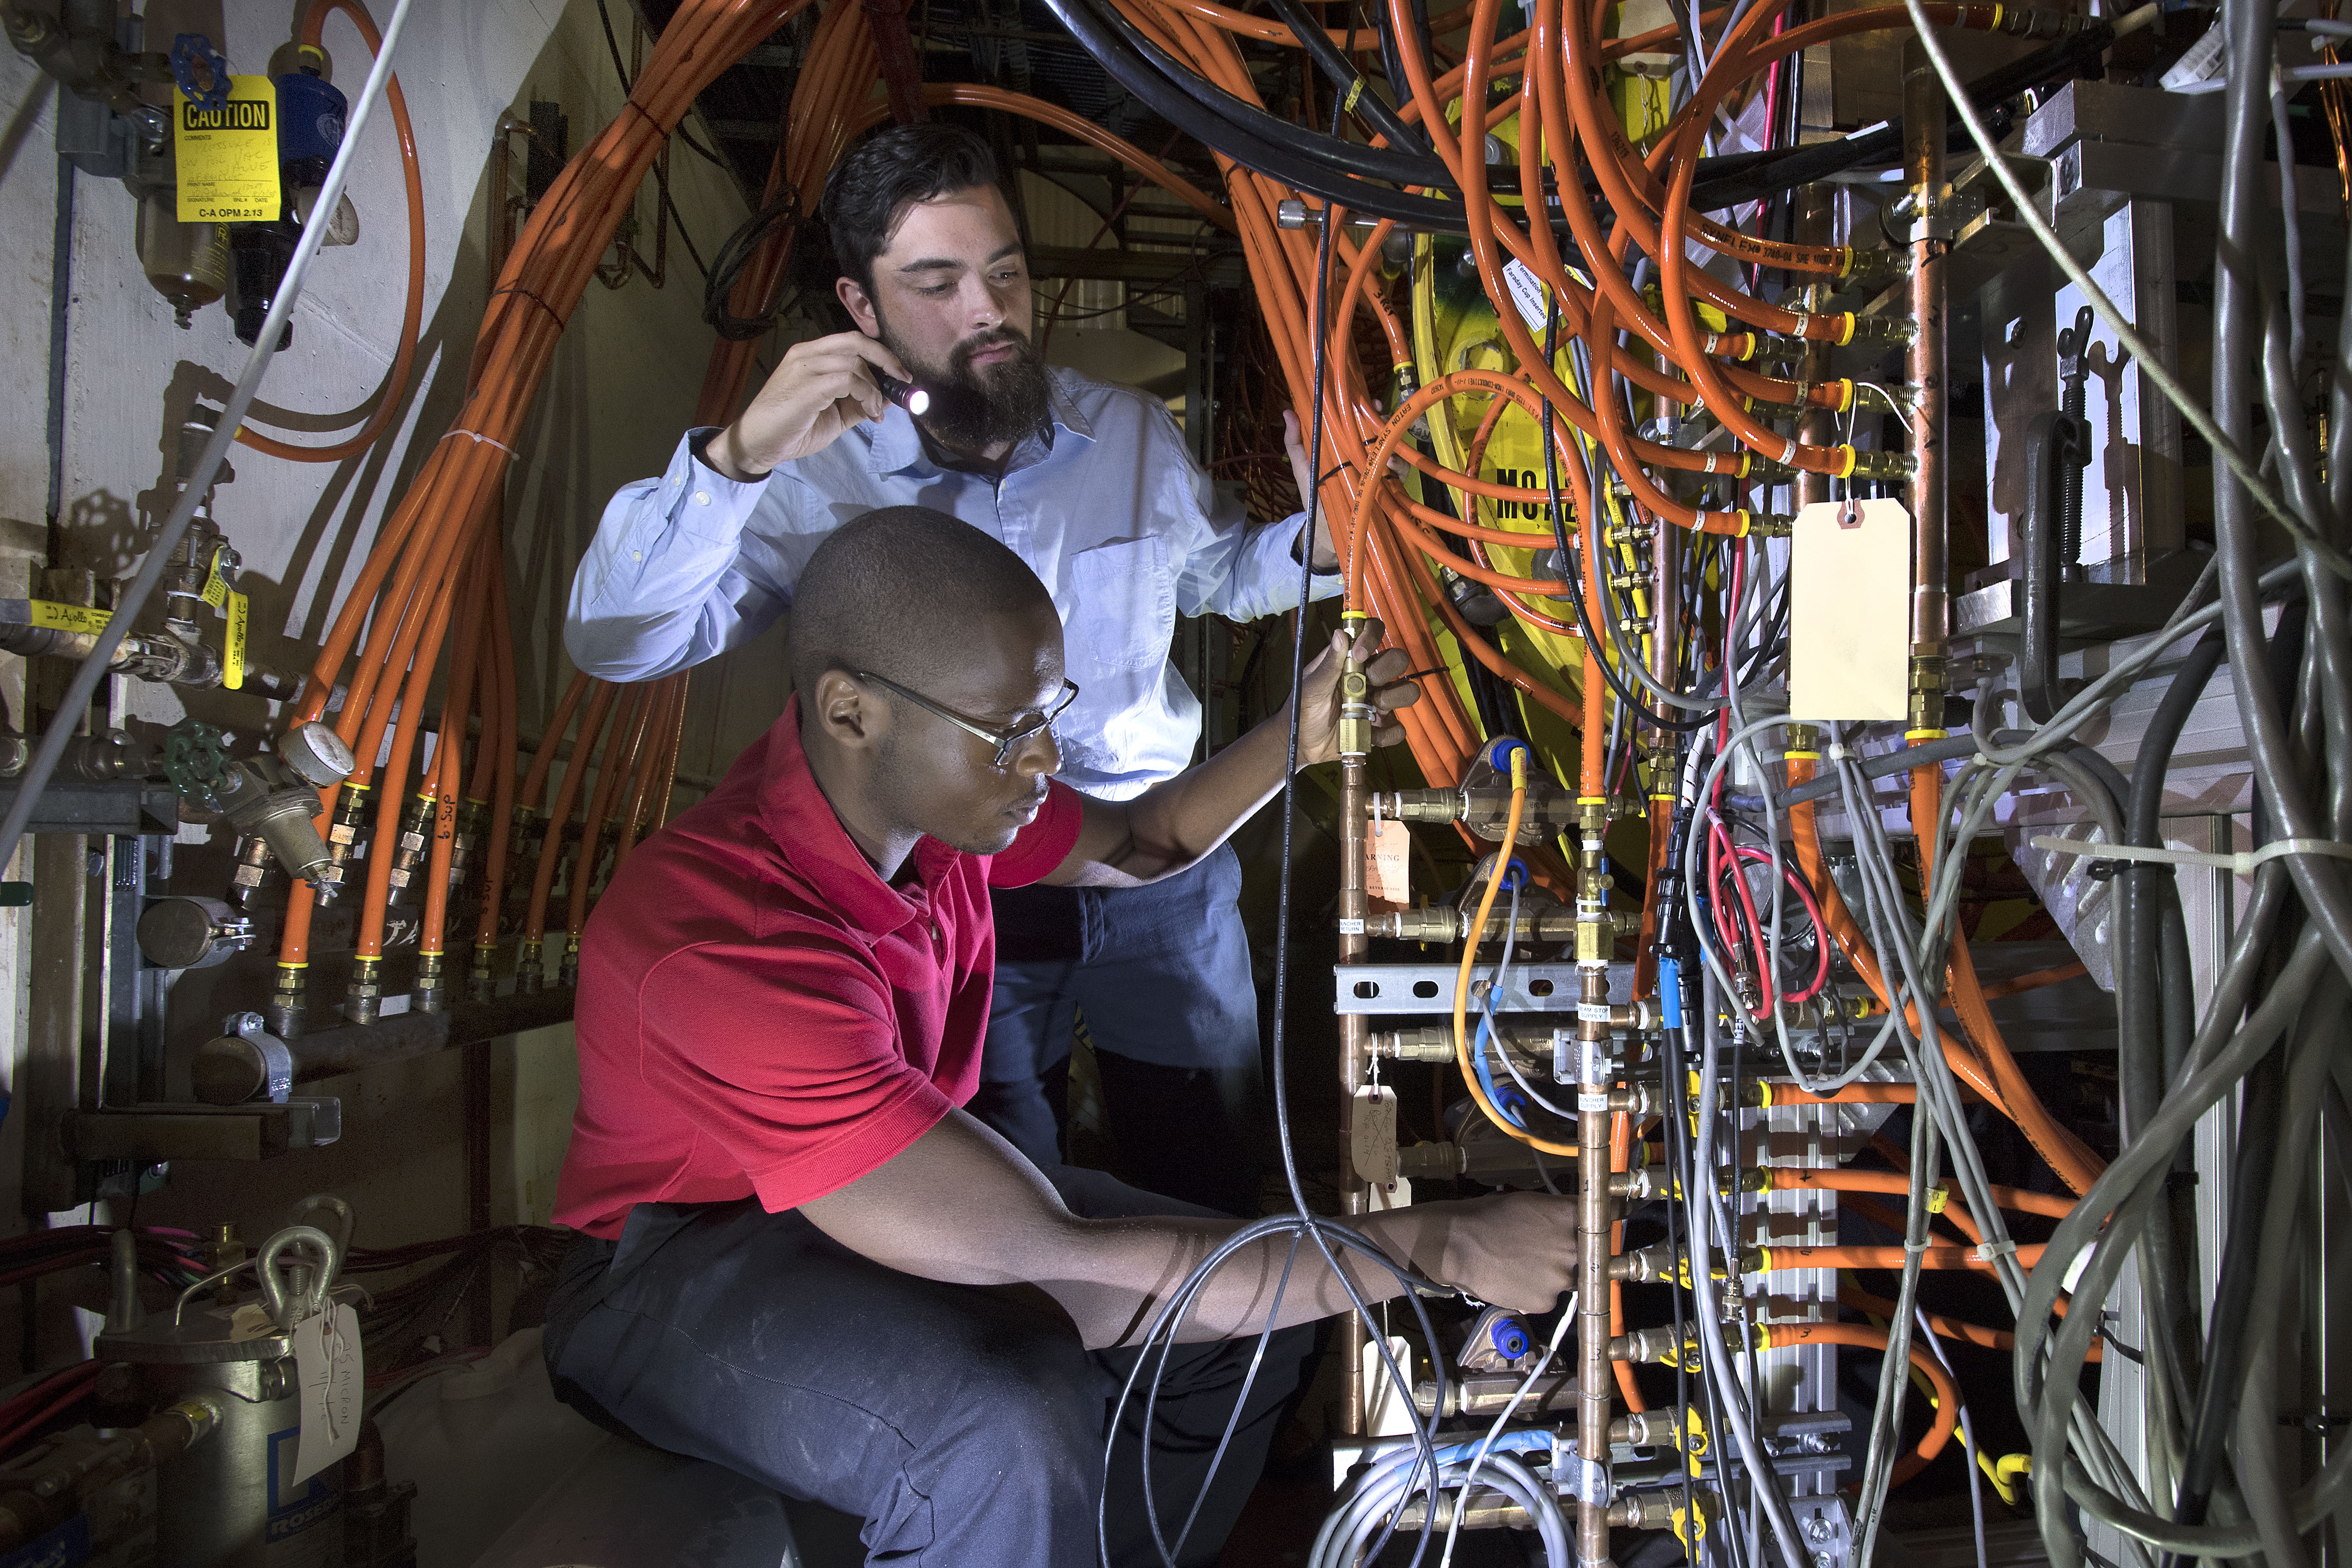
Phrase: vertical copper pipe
[1816,224]
[1923,165]
[1595,1374]
[1354,1032]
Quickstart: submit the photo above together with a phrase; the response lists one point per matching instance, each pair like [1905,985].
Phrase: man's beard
[975,408]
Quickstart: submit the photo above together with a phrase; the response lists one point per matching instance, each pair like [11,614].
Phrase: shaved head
[898,592]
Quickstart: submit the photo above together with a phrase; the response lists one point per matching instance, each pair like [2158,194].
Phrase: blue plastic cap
[1670,993]
[1510,1337]
[1499,750]
[1515,874]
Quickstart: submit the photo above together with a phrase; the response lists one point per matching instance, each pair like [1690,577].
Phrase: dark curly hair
[880,177]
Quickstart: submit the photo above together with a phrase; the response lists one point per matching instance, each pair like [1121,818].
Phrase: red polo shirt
[761,1015]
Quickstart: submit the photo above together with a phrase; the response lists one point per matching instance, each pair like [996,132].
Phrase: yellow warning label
[69,618]
[232,643]
[217,589]
[228,157]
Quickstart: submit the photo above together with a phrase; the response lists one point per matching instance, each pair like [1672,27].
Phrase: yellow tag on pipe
[217,589]
[232,643]
[69,617]
[228,157]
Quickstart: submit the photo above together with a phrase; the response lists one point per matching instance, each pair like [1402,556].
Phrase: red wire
[76,1380]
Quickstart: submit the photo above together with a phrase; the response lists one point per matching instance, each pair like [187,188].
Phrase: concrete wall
[620,390]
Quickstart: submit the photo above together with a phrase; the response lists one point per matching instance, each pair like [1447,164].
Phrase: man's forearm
[1176,823]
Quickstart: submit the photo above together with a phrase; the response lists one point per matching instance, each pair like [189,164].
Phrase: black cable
[1573,577]
[733,256]
[1883,143]
[1345,79]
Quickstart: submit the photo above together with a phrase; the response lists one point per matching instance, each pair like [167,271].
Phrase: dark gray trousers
[965,1425]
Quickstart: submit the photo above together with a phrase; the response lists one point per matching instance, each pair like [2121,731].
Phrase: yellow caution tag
[217,589]
[69,618]
[232,643]
[228,157]
[1938,1196]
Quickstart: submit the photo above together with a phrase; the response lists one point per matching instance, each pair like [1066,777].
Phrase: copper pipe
[1595,1375]
[1354,1054]
[1923,165]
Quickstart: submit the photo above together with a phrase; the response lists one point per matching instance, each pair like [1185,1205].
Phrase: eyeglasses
[1006,740]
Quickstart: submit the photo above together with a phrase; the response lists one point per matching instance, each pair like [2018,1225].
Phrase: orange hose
[1887,1258]
[1789,1336]
[551,848]
[403,359]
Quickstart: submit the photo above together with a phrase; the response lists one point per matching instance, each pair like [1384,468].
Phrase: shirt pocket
[1123,607]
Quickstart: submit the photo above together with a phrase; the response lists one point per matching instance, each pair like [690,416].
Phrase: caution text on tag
[228,158]
[1387,853]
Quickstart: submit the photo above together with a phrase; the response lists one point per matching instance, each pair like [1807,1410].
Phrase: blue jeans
[1162,974]
[965,1425]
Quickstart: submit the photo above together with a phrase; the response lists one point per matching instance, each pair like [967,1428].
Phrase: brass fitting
[364,998]
[408,854]
[1930,679]
[1650,1264]
[1804,737]
[567,974]
[289,1001]
[1881,464]
[1657,1347]
[428,995]
[1884,331]
[482,980]
[530,972]
[345,845]
[1355,727]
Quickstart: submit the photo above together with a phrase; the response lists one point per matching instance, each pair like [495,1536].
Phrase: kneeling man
[801,1259]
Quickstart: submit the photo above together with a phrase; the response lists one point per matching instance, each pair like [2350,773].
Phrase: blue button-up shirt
[1110,512]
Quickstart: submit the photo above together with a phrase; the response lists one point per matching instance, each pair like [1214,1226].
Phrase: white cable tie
[485,440]
[2243,863]
[1841,752]
[1917,1248]
[1990,1251]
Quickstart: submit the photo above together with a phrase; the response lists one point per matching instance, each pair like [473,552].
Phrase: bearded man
[1090,484]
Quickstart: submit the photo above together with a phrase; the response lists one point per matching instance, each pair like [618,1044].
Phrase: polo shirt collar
[898,447]
[811,840]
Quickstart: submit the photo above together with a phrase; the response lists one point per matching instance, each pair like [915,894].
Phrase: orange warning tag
[1387,853]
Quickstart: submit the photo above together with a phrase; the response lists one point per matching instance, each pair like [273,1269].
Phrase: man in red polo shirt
[801,1257]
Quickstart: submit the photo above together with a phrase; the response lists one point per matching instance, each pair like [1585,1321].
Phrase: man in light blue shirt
[1091,485]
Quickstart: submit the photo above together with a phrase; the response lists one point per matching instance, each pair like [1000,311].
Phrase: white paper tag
[327,1366]
[1352,928]
[1850,591]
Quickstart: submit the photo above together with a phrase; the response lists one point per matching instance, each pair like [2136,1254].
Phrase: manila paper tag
[1388,854]
[327,1366]
[1373,1136]
[1849,611]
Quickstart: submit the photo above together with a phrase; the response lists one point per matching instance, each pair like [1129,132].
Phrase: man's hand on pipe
[1514,1249]
[960,1205]
[818,390]
[1318,722]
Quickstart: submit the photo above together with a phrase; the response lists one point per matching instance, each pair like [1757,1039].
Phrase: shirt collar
[898,447]
[811,840]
